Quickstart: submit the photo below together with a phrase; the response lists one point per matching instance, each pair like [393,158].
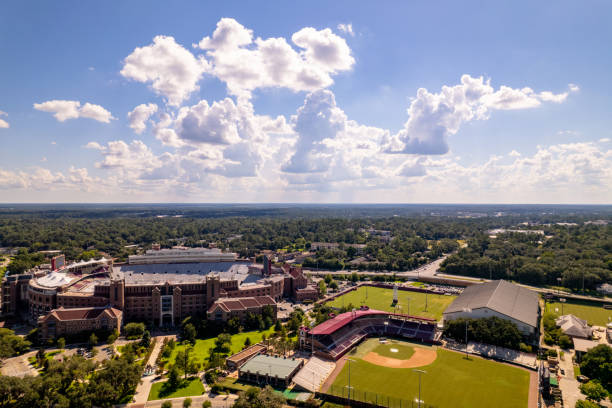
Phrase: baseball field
[385,373]
[409,302]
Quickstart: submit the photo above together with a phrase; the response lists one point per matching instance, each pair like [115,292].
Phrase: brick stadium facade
[158,293]
[335,337]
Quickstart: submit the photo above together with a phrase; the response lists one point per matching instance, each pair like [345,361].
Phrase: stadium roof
[332,325]
[501,296]
[271,366]
[143,274]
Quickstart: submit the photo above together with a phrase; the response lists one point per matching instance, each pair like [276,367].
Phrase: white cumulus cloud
[3,123]
[433,117]
[172,71]
[140,115]
[63,110]
[246,63]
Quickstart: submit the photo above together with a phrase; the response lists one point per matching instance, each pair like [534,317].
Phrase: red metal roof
[332,325]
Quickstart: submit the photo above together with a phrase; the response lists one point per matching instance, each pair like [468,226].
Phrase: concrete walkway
[144,387]
[218,401]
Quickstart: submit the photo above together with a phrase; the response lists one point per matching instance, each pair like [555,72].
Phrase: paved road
[426,270]
[19,366]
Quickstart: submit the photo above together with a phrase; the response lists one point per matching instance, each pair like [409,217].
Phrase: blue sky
[310,102]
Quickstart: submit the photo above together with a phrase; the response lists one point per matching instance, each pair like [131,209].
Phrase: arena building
[498,298]
[158,288]
[335,337]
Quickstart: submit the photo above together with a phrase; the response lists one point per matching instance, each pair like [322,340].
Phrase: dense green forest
[420,234]
[566,256]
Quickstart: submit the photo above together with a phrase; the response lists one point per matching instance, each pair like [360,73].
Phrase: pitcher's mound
[421,357]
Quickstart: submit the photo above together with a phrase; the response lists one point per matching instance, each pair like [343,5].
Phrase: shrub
[594,391]
[216,388]
[551,353]
[565,342]
[166,404]
[134,330]
[586,404]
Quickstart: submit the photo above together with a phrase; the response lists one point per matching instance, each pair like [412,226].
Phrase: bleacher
[340,342]
[502,353]
[314,373]
[335,337]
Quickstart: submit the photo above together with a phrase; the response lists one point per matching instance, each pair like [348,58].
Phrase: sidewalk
[144,387]
[219,401]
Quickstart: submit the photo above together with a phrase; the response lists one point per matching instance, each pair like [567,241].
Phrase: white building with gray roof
[501,299]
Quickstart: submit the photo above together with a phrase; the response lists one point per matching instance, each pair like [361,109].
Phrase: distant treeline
[81,230]
[570,257]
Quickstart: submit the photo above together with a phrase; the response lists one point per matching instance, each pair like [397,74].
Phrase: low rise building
[501,299]
[226,308]
[237,360]
[276,371]
[66,322]
[574,326]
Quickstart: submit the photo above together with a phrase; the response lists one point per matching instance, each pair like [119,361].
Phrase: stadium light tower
[466,310]
[420,372]
[349,360]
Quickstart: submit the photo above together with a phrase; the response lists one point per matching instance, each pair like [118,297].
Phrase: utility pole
[562,300]
[349,361]
[420,372]
[466,310]
[425,301]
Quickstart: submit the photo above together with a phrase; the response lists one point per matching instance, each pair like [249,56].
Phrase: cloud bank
[190,147]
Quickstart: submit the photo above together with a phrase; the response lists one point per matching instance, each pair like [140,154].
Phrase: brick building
[65,322]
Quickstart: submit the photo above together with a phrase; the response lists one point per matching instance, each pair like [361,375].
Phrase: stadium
[335,337]
[162,286]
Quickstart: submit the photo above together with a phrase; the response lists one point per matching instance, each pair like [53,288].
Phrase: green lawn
[403,352]
[410,302]
[200,349]
[450,381]
[192,386]
[593,313]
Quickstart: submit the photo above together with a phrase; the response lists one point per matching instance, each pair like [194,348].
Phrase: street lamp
[420,372]
[466,310]
[349,360]
[425,301]
[562,300]
[559,286]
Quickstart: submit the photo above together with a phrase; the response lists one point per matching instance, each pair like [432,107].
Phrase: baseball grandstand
[335,337]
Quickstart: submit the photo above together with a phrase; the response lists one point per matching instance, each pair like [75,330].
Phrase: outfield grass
[594,314]
[200,349]
[381,299]
[192,386]
[450,381]
[404,352]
